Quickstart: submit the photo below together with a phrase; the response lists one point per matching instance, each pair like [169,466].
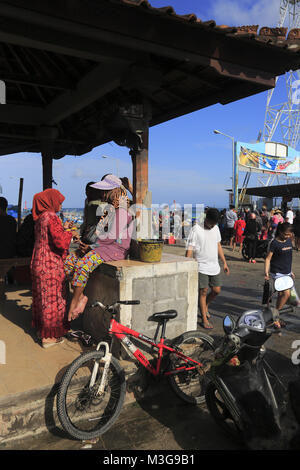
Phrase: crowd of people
[106,235]
[256,225]
[232,228]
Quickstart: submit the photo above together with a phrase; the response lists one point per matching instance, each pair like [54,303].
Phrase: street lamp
[234,170]
[117,163]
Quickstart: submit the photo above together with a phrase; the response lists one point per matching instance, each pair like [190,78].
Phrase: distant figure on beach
[204,243]
[239,228]
[8,232]
[296,230]
[231,218]
[265,217]
[113,231]
[276,219]
[289,216]
[251,233]
[49,289]
[25,237]
[222,224]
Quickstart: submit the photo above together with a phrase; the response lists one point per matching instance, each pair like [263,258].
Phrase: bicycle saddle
[166,315]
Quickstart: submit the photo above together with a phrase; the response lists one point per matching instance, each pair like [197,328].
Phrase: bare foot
[79,308]
[82,303]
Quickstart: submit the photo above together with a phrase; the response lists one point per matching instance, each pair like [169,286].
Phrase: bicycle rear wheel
[82,412]
[190,385]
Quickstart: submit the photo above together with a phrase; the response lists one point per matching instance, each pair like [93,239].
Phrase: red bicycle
[93,388]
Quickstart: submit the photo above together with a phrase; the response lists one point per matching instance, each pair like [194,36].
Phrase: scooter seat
[166,315]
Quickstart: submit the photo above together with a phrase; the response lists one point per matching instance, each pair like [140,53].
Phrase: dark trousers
[252,248]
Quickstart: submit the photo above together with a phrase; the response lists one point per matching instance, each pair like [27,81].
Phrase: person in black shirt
[279,261]
[8,232]
[251,233]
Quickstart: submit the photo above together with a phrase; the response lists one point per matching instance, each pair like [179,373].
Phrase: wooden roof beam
[39,36]
[57,83]
[93,86]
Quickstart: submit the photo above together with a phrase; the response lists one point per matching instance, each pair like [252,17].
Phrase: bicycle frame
[122,332]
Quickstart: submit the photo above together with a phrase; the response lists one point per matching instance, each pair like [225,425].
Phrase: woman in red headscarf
[47,269]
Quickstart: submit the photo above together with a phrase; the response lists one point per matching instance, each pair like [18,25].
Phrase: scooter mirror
[283,283]
[228,324]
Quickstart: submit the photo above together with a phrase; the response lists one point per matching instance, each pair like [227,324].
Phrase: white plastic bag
[294,298]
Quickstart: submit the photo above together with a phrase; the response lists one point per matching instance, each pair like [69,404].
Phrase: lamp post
[117,163]
[235,188]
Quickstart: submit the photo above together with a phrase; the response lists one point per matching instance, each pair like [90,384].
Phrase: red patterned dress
[49,293]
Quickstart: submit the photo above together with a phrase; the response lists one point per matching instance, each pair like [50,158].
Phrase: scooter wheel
[221,414]
[245,254]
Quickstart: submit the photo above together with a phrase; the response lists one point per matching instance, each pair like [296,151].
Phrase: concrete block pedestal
[170,284]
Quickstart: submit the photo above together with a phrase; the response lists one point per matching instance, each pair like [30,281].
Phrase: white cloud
[245,12]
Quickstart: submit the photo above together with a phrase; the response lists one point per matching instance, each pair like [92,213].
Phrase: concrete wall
[169,284]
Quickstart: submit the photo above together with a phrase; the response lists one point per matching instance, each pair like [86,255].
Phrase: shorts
[230,232]
[205,281]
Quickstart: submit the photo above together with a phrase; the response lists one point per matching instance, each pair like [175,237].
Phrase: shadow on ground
[164,422]
[20,315]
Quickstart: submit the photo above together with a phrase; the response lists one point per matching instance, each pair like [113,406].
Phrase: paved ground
[160,422]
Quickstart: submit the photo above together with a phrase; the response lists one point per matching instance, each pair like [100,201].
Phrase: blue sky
[187,161]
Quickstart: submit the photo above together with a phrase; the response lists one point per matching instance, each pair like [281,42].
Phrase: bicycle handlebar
[113,306]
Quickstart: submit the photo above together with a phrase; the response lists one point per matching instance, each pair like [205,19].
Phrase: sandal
[79,335]
[46,345]
[206,326]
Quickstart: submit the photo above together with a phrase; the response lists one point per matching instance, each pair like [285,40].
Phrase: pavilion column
[47,163]
[142,197]
[140,170]
[47,137]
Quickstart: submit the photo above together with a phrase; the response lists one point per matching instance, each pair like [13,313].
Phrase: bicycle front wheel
[190,385]
[221,413]
[83,412]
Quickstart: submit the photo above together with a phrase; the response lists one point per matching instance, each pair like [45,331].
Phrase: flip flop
[207,315]
[48,345]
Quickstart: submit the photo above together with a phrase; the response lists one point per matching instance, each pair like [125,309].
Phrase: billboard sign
[252,157]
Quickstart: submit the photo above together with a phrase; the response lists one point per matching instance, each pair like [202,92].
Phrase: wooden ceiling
[85,72]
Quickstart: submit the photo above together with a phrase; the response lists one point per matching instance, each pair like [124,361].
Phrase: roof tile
[270,36]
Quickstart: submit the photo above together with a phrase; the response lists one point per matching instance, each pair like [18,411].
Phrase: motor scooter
[261,251]
[240,395]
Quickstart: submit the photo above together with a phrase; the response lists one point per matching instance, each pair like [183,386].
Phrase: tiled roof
[268,36]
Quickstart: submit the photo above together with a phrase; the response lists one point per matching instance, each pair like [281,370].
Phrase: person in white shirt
[204,243]
[289,216]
